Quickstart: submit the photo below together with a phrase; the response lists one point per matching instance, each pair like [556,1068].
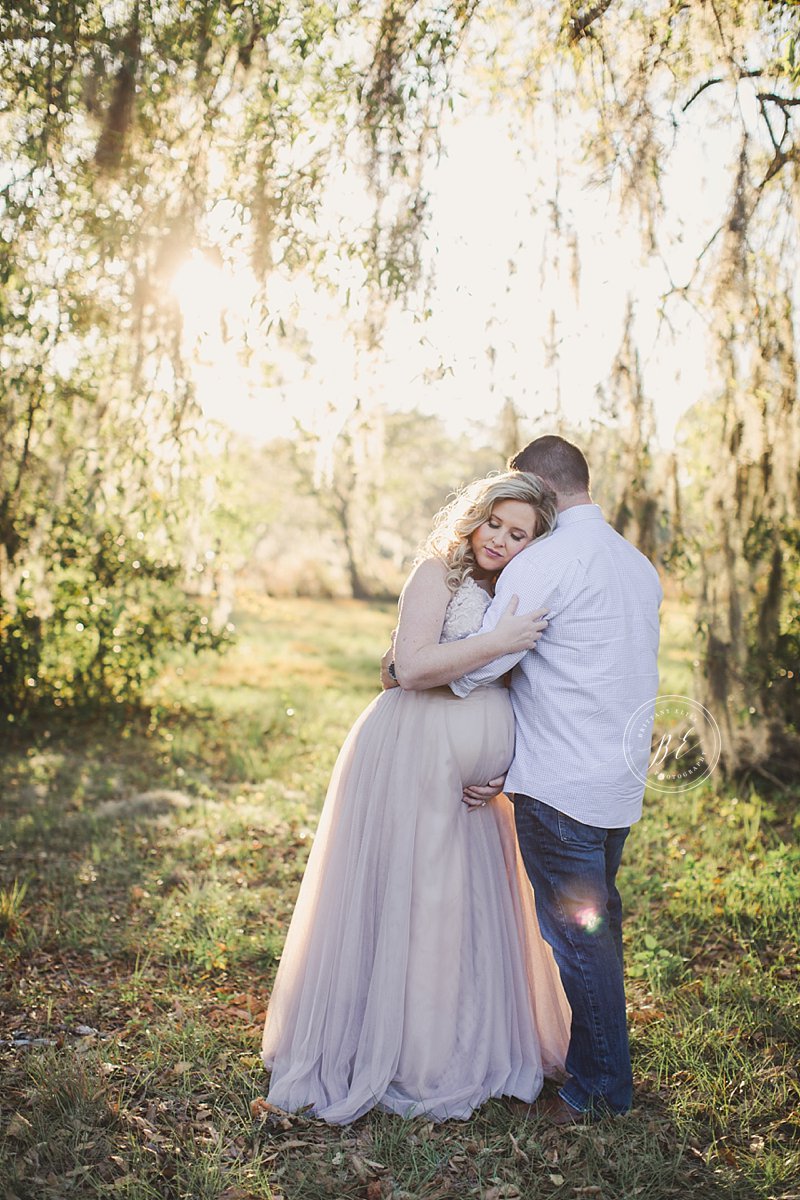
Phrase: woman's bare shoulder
[430,568]
[428,573]
[427,579]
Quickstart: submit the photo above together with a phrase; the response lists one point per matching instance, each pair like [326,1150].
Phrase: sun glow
[249,373]
[513,312]
[209,293]
[217,302]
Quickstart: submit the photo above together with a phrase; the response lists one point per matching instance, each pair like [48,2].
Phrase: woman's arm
[387,681]
[422,661]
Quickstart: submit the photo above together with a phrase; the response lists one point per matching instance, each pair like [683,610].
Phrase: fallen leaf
[18,1126]
[644,1016]
[360,1167]
[261,1109]
[519,1153]
[557,1180]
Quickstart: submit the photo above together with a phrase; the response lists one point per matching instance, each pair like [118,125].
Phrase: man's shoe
[553,1108]
[557,1111]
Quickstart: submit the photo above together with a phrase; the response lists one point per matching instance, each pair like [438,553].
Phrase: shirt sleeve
[534,579]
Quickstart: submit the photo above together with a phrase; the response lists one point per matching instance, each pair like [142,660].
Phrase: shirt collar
[579,512]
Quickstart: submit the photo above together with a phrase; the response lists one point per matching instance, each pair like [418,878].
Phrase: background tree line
[122,132]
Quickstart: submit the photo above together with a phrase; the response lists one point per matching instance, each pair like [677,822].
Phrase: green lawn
[148,874]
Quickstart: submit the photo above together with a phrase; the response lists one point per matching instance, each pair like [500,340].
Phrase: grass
[148,875]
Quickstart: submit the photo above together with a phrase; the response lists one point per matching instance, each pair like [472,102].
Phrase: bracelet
[390,671]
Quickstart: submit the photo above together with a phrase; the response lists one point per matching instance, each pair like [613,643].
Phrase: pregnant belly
[477,732]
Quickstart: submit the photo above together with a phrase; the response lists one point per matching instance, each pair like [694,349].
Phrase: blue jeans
[573,868]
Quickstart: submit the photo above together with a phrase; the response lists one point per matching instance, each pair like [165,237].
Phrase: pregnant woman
[414,976]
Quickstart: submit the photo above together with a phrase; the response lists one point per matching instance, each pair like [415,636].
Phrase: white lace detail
[464,613]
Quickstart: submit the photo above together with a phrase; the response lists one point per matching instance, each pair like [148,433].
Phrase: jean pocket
[575,833]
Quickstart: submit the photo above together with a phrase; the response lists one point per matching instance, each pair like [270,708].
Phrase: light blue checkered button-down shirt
[594,667]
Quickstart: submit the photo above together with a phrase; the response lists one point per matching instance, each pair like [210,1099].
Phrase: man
[575,795]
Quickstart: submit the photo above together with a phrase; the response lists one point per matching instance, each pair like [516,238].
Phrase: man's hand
[476,796]
[386,679]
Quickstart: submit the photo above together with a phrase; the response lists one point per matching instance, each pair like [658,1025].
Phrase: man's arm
[528,577]
[422,661]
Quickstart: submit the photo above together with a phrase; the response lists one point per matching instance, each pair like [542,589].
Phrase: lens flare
[589,919]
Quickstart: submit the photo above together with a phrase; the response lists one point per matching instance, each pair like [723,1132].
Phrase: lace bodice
[465,610]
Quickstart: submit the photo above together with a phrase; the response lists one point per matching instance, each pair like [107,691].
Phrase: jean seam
[599,1042]
[602,1057]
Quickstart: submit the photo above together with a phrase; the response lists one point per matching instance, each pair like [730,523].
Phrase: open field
[148,873]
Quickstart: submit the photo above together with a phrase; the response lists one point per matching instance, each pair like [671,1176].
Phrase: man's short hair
[555,460]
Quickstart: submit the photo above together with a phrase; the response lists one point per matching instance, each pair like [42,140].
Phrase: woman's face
[510,528]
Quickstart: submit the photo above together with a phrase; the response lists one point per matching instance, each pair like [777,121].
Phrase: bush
[104,616]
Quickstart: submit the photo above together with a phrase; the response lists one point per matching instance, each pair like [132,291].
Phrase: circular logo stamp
[672,745]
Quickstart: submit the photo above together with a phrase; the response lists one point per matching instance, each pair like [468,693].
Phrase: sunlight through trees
[167,168]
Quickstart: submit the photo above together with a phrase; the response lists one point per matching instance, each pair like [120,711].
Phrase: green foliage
[111,624]
[99,588]
[11,911]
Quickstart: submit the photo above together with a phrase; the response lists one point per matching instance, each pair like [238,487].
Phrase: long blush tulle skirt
[414,976]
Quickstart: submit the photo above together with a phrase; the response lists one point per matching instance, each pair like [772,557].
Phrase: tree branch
[708,83]
[579,25]
[782,157]
[783,101]
[741,74]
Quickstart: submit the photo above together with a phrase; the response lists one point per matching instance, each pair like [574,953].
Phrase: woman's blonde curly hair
[453,525]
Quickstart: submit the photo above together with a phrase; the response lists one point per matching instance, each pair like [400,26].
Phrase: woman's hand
[522,632]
